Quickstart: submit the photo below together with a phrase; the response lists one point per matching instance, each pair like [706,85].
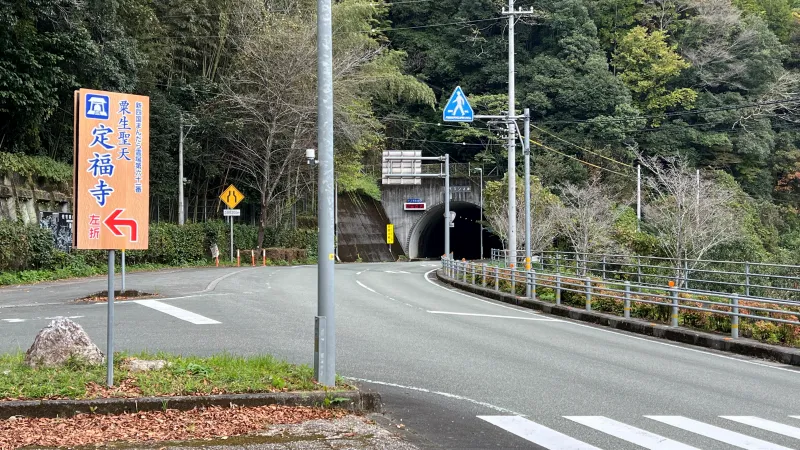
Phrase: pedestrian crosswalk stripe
[717,433]
[631,434]
[775,427]
[538,434]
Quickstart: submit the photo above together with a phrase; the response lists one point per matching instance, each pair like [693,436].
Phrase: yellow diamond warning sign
[231,197]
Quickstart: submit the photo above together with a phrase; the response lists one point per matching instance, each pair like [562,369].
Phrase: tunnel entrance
[427,236]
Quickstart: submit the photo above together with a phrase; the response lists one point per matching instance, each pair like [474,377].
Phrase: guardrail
[757,280]
[670,300]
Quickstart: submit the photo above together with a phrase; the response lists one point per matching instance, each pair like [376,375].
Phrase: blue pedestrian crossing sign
[457,108]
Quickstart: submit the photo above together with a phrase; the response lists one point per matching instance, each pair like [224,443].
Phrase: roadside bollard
[238,258]
[533,284]
[253,257]
[558,289]
[483,276]
[588,294]
[497,279]
[474,274]
[263,257]
[674,318]
[735,316]
[627,307]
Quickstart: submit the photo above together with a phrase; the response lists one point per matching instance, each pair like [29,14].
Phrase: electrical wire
[681,113]
[539,144]
[581,148]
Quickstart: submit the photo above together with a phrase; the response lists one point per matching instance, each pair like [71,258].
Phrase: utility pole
[512,129]
[325,342]
[526,148]
[181,219]
[639,197]
[697,200]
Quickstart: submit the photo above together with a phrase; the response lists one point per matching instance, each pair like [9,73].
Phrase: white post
[638,197]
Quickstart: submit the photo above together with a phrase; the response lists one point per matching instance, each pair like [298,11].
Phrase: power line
[577,159]
[680,113]
[438,142]
[581,148]
[373,30]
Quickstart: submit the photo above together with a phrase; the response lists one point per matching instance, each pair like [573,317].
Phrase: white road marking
[717,433]
[795,417]
[443,394]
[367,288]
[213,285]
[538,434]
[454,291]
[616,333]
[40,318]
[491,315]
[396,271]
[174,311]
[764,424]
[629,433]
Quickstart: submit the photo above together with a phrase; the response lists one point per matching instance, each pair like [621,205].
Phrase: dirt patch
[151,427]
[102,297]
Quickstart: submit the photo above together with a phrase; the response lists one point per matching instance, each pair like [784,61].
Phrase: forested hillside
[608,82]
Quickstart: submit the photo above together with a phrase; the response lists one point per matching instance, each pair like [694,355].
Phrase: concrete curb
[356,401]
[739,346]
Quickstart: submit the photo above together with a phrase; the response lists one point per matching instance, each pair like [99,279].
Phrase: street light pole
[181,217]
[325,342]
[480,169]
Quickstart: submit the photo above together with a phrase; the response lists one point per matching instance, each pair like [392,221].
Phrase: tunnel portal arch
[426,239]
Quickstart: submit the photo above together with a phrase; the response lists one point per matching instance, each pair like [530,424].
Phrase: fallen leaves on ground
[170,425]
[126,388]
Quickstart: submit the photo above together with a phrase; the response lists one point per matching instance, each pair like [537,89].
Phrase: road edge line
[608,322]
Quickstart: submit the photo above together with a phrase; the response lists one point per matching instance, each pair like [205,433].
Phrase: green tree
[648,64]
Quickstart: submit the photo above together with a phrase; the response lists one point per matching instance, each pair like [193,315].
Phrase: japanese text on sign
[111,183]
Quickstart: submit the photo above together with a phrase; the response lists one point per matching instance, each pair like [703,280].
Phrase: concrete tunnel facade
[421,233]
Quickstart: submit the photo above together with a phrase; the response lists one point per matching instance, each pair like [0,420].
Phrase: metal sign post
[231,197]
[112,187]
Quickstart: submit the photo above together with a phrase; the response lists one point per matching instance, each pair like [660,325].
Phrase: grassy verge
[221,374]
[38,276]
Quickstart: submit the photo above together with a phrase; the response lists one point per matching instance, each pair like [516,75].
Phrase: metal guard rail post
[623,291]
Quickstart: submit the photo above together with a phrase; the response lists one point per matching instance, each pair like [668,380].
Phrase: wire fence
[755,280]
[772,321]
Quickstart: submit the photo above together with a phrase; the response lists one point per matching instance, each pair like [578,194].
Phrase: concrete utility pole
[512,130]
[325,342]
[181,219]
[526,148]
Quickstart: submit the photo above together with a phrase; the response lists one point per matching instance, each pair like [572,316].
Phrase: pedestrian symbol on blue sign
[457,108]
[96,106]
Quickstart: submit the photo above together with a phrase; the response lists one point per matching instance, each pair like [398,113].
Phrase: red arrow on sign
[112,222]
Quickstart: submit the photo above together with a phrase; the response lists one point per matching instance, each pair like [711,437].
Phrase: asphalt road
[455,370]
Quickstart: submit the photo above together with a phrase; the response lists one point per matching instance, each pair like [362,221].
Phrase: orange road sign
[231,197]
[111,157]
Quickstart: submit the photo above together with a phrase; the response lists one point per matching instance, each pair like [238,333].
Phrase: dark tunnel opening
[465,236]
